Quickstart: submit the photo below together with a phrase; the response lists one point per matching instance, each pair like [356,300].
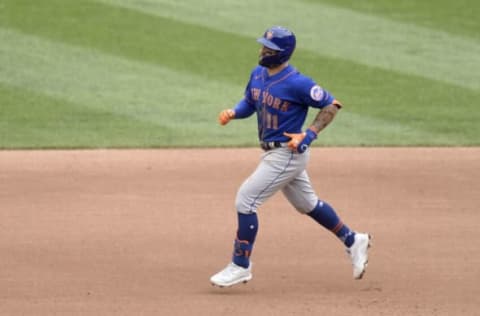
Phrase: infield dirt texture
[139,232]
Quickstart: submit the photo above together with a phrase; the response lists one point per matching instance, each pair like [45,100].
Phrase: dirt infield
[139,232]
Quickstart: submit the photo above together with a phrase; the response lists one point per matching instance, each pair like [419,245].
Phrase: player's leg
[302,196]
[275,170]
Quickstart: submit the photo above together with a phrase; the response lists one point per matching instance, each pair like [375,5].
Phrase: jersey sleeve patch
[316,93]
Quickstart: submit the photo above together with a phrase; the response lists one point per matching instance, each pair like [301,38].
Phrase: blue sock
[325,215]
[246,233]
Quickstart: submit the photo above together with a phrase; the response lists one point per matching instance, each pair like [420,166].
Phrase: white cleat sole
[224,285]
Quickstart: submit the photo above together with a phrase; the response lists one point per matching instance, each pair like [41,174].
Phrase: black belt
[272,145]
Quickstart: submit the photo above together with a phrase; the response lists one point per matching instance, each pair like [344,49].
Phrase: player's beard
[263,61]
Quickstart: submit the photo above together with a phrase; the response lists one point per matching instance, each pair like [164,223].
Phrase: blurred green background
[155,73]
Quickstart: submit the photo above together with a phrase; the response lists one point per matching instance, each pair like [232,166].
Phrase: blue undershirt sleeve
[243,109]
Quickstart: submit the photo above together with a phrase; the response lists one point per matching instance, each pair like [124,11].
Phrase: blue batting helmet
[281,40]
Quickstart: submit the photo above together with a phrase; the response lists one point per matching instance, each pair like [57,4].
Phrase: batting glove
[225,116]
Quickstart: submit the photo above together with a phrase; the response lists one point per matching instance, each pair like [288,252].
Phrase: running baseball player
[281,96]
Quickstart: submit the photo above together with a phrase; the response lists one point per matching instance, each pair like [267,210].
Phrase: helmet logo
[269,35]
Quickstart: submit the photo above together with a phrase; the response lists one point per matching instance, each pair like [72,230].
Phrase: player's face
[265,52]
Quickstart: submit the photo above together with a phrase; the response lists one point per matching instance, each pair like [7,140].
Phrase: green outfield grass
[155,73]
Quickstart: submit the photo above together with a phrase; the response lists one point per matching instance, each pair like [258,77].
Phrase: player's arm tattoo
[324,117]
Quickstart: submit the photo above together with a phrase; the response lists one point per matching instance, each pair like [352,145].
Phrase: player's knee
[304,207]
[302,210]
[243,208]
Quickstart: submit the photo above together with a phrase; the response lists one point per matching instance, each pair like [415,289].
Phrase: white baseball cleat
[231,275]
[359,254]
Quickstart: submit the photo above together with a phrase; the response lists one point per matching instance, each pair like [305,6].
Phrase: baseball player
[281,96]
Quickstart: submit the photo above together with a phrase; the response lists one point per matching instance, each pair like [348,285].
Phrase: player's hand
[225,116]
[295,139]
[300,142]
